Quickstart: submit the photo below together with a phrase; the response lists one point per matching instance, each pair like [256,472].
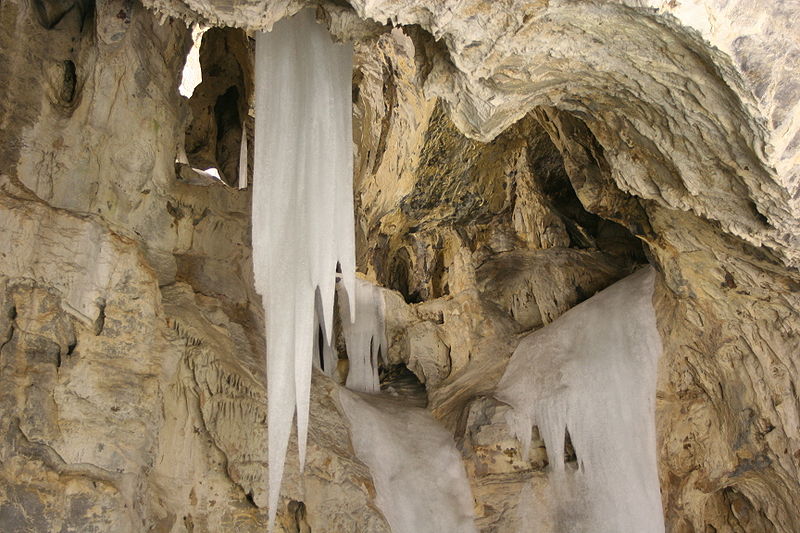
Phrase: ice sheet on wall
[592,372]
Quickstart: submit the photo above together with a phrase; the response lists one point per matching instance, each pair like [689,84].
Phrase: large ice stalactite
[420,482]
[302,212]
[592,373]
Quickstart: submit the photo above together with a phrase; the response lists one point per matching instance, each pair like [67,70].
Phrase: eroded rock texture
[512,158]
[132,353]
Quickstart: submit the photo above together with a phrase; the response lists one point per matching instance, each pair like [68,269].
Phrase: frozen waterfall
[592,372]
[420,482]
[302,212]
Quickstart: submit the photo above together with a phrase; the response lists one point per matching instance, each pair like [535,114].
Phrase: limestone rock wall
[683,96]
[512,158]
[131,358]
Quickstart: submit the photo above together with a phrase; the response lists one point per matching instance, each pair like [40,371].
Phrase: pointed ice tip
[301,447]
[271,519]
[243,158]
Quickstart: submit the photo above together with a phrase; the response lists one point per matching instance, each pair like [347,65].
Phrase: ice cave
[400,266]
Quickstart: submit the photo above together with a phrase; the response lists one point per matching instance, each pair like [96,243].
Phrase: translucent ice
[364,335]
[192,73]
[592,372]
[243,158]
[302,211]
[420,483]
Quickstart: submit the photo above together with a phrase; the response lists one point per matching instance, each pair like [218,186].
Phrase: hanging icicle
[302,211]
[243,158]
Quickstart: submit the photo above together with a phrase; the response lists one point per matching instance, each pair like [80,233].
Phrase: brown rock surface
[131,359]
[512,158]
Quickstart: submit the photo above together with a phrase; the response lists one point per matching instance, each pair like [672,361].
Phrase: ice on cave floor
[302,211]
[592,372]
[420,482]
[364,335]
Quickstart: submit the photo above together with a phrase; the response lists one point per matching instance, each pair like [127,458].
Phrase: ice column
[364,334]
[302,211]
[593,372]
[420,482]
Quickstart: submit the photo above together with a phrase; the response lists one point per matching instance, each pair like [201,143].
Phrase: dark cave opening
[400,383]
[399,273]
[229,133]
[586,229]
[414,262]
[219,104]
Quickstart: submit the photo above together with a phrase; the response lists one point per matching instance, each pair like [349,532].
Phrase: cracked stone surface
[511,159]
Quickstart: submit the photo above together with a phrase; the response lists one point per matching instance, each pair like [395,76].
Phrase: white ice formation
[302,212]
[192,73]
[364,335]
[592,372]
[420,482]
[243,158]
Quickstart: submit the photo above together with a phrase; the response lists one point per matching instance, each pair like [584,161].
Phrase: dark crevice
[321,348]
[69,82]
[390,96]
[226,111]
[298,514]
[249,497]
[438,270]
[100,321]
[570,457]
[49,13]
[399,269]
[229,133]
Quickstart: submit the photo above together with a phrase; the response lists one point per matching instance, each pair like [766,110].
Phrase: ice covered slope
[419,478]
[593,372]
[302,210]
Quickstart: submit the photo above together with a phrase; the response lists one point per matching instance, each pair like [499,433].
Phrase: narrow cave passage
[220,104]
